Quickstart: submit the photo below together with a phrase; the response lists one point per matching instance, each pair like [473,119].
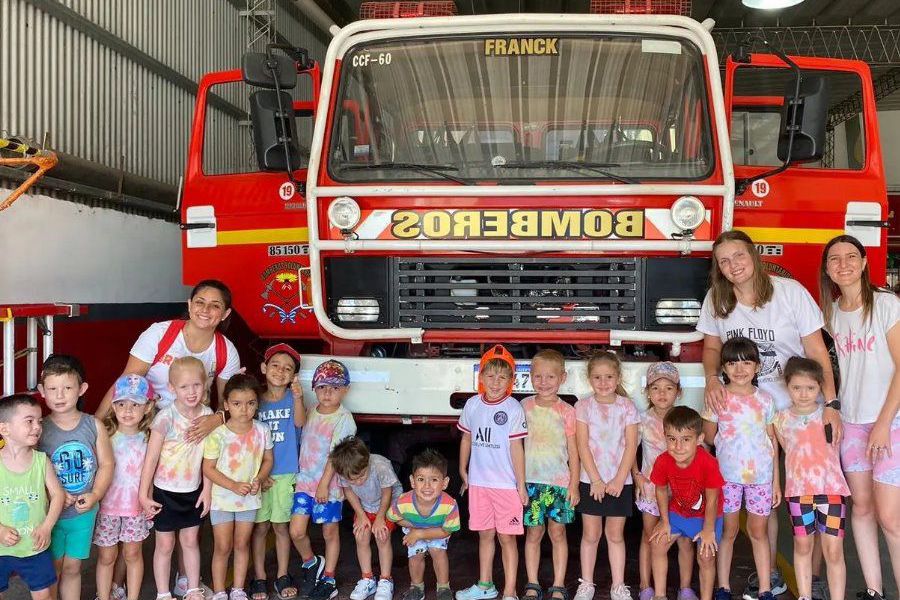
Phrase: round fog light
[343,213]
[688,213]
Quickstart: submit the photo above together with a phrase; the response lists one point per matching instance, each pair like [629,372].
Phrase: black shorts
[610,506]
[179,510]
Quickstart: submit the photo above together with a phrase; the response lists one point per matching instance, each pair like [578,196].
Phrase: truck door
[792,215]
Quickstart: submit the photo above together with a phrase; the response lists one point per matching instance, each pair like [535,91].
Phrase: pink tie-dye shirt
[550,428]
[121,498]
[653,440]
[743,447]
[320,435]
[238,456]
[606,425]
[180,466]
[811,465]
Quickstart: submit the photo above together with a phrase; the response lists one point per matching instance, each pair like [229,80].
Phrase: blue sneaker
[722,594]
[766,596]
[476,592]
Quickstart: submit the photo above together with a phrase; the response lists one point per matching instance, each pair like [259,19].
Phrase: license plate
[522,383]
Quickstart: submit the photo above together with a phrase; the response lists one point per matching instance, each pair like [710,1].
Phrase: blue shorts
[72,537]
[320,512]
[689,527]
[36,571]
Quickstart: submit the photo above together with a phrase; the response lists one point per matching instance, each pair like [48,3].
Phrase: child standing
[493,425]
[79,448]
[370,486]
[428,516]
[236,457]
[606,431]
[26,479]
[815,488]
[281,408]
[121,519]
[663,389]
[688,493]
[551,472]
[173,489]
[317,495]
[745,448]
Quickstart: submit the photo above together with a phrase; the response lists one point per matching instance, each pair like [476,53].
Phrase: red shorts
[391,526]
[492,508]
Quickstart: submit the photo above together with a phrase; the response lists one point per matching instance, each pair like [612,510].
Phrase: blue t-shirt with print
[279,416]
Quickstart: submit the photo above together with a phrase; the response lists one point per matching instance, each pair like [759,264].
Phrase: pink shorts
[886,469]
[492,508]
[757,498]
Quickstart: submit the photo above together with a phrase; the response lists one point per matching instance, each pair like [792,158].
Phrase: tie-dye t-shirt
[321,434]
[653,440]
[811,465]
[743,447]
[238,457]
[121,498]
[180,466]
[546,451]
[606,425]
[444,513]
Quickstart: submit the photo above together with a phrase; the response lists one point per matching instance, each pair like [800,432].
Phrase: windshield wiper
[405,166]
[571,165]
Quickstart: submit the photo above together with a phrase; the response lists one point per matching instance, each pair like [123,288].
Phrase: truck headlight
[688,213]
[344,213]
[358,310]
[677,311]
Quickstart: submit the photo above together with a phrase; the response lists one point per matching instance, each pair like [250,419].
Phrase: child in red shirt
[691,476]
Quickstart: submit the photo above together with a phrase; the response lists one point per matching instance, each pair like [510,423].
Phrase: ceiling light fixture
[769,4]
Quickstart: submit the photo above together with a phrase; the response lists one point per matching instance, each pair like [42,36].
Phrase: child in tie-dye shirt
[815,488]
[551,471]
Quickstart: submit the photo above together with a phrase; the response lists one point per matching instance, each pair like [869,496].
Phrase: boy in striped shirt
[428,516]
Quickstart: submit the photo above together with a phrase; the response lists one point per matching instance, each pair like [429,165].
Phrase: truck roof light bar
[407,10]
[641,7]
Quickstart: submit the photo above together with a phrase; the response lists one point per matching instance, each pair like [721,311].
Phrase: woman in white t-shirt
[863,320]
[779,315]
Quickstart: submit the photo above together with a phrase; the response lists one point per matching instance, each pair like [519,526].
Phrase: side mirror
[809,124]
[256,70]
[273,130]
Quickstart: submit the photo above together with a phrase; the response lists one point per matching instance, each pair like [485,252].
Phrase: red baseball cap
[282,349]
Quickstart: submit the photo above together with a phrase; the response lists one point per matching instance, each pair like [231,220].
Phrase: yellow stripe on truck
[287,235]
[790,235]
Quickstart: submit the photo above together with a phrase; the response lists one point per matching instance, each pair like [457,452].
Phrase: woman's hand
[879,445]
[832,417]
[714,395]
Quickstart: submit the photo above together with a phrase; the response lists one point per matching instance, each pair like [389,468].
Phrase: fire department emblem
[282,292]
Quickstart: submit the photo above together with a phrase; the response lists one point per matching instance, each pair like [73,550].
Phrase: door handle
[868,223]
[189,226]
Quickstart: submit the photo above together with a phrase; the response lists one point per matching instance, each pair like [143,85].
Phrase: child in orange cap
[492,467]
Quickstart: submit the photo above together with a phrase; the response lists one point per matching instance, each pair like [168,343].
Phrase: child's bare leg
[417,569]
[258,543]
[134,567]
[162,560]
[486,555]
[533,537]
[592,531]
[803,547]
[726,548]
[223,541]
[43,594]
[707,564]
[106,563]
[615,542]
[560,547]
[758,530]
[332,546]
[364,550]
[189,540]
[441,565]
[645,568]
[119,572]
[282,549]
[659,558]
[300,536]
[243,531]
[509,553]
[686,557]
[385,556]
[70,579]
[835,567]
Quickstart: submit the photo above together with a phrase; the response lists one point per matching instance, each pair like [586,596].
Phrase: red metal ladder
[35,315]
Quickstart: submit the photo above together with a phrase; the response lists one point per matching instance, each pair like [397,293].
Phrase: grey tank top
[74,456]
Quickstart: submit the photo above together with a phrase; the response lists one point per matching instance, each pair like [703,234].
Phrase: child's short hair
[242,382]
[740,348]
[683,418]
[62,364]
[553,356]
[797,365]
[430,459]
[9,404]
[350,457]
[186,363]
[612,359]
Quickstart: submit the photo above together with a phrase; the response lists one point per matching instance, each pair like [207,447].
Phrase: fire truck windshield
[513,108]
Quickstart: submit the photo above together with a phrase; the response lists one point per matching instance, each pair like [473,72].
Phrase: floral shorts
[110,530]
[886,469]
[757,498]
[547,502]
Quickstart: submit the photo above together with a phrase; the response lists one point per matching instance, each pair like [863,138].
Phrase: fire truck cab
[557,185]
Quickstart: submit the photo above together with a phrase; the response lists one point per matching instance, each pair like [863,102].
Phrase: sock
[486,585]
[308,562]
[420,586]
[388,578]
[328,576]
[442,586]
[368,575]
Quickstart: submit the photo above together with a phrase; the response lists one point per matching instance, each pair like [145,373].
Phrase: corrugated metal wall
[96,103]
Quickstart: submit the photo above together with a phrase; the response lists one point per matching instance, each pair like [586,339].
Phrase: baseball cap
[663,370]
[282,349]
[503,354]
[132,387]
[331,372]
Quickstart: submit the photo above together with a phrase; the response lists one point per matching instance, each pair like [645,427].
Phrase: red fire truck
[558,184]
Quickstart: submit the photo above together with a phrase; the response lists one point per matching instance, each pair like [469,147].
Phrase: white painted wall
[889,129]
[57,251]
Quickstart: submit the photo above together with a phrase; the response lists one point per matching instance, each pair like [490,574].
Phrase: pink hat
[663,370]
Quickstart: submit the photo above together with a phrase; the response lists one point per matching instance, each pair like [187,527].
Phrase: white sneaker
[385,590]
[620,592]
[364,588]
[585,591]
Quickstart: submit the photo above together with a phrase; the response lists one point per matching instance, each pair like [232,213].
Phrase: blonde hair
[721,290]
[552,356]
[610,358]
[112,423]
[186,363]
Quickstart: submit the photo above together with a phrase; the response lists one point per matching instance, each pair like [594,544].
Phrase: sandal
[237,594]
[285,588]
[533,591]
[197,594]
[563,593]
[259,589]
